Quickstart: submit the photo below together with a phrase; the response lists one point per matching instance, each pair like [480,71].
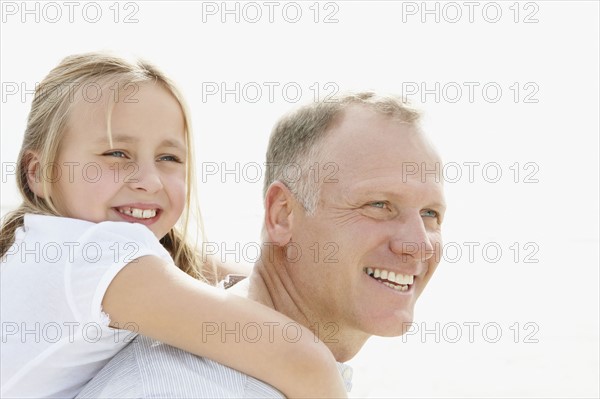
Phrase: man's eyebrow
[438,205]
[368,192]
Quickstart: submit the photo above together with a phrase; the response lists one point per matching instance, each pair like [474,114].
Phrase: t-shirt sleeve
[96,258]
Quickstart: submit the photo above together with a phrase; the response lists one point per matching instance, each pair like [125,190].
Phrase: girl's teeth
[139,213]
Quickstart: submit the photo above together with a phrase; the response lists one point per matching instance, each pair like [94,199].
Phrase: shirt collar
[346,372]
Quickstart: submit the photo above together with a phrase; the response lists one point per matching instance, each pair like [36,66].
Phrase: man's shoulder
[166,369]
[150,368]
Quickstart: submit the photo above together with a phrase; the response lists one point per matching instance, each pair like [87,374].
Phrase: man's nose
[146,177]
[411,238]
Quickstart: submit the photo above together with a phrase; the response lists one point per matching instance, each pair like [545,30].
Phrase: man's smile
[396,281]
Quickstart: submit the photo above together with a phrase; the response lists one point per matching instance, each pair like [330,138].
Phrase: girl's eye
[118,154]
[170,158]
[429,213]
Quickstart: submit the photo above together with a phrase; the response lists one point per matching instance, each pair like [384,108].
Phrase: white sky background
[552,135]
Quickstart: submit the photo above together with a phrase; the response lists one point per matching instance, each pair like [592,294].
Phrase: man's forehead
[370,151]
[365,138]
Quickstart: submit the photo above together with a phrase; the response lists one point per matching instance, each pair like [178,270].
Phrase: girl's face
[140,178]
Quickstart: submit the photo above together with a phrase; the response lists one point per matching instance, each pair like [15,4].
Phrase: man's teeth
[138,213]
[399,282]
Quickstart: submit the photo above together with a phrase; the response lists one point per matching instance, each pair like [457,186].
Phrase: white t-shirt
[55,336]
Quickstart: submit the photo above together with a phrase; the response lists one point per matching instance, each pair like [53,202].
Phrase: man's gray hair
[293,147]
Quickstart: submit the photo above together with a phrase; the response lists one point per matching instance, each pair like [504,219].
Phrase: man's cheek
[432,265]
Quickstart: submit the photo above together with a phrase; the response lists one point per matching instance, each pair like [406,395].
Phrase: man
[349,244]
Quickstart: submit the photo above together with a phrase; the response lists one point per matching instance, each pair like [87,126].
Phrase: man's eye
[429,213]
[118,154]
[378,204]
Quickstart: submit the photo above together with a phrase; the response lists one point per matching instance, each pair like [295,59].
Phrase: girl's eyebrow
[173,144]
[123,138]
[119,138]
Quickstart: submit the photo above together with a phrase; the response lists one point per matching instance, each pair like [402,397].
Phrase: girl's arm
[166,304]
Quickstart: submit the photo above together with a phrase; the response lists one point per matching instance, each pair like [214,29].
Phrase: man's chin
[394,326]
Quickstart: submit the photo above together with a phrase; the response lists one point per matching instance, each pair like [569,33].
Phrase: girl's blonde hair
[54,97]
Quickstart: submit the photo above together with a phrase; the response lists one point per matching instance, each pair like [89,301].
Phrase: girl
[106,172]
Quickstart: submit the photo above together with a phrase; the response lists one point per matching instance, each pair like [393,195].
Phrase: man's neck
[266,286]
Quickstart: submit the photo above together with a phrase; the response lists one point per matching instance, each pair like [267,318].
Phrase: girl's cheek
[176,187]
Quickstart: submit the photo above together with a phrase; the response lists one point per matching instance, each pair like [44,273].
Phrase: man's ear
[33,167]
[279,203]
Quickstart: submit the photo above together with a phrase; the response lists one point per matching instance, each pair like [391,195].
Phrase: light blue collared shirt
[150,369]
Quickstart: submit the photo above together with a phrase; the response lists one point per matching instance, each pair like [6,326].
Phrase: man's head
[363,208]
[294,147]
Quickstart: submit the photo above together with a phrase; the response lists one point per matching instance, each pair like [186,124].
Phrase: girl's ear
[279,213]
[34,173]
